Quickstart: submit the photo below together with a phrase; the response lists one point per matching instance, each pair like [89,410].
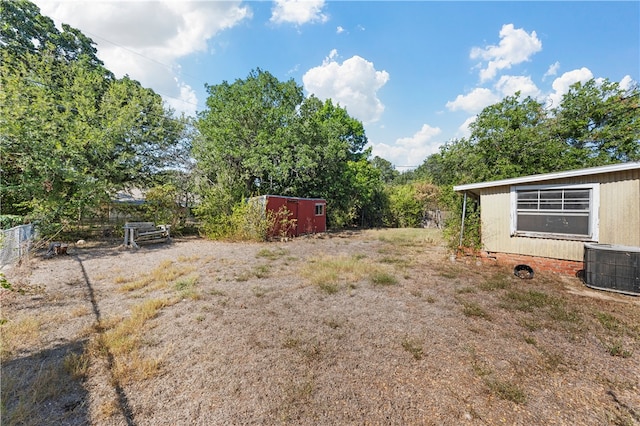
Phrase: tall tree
[512,139]
[244,129]
[596,123]
[387,171]
[601,121]
[259,136]
[70,132]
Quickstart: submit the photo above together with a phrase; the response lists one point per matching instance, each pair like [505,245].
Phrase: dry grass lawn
[372,327]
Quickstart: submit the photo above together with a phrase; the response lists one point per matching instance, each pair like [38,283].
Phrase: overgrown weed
[407,237]
[18,334]
[413,346]
[186,287]
[473,309]
[496,282]
[382,278]
[330,272]
[272,254]
[507,390]
[164,274]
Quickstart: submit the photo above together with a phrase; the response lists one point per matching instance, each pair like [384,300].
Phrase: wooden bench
[136,232]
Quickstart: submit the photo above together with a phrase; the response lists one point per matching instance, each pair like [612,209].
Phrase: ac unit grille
[612,267]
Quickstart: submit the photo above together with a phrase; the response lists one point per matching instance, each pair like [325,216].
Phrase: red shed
[307,214]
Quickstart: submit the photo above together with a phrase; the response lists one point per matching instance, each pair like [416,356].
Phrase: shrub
[405,209]
[245,222]
[453,223]
[8,221]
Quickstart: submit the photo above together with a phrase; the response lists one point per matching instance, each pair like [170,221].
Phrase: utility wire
[167,66]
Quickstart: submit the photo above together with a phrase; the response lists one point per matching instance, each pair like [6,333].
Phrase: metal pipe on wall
[464,212]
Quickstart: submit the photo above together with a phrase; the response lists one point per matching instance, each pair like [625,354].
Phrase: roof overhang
[474,188]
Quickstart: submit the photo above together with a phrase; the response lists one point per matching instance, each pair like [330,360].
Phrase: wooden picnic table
[135,232]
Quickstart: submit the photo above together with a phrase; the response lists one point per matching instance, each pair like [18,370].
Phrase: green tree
[457,161]
[596,123]
[405,209]
[388,173]
[71,134]
[24,30]
[161,204]
[260,136]
[600,121]
[511,139]
[245,145]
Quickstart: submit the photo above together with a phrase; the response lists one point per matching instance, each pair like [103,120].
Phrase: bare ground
[284,333]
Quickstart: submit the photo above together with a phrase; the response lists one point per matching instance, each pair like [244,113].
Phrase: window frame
[321,205]
[594,207]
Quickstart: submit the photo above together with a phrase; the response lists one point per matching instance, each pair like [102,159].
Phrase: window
[563,212]
[319,209]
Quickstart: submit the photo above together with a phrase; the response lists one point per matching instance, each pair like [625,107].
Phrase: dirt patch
[376,327]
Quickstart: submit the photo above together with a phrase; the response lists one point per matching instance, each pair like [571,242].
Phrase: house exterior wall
[619,218]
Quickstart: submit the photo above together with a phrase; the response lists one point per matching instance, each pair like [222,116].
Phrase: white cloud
[464,131]
[353,84]
[481,97]
[561,84]
[186,102]
[516,46]
[508,85]
[298,11]
[473,102]
[627,82]
[145,39]
[553,70]
[410,151]
[339,30]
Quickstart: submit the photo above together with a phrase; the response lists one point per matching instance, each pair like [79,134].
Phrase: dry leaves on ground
[371,327]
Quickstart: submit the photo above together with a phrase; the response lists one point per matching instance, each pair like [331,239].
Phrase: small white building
[552,216]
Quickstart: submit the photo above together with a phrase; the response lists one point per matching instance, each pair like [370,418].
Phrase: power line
[169,67]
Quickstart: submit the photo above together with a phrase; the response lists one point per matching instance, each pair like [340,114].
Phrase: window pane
[528,200]
[551,195]
[577,199]
[527,195]
[550,204]
[556,224]
[554,211]
[527,206]
[551,200]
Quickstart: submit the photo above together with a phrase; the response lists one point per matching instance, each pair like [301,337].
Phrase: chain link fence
[15,243]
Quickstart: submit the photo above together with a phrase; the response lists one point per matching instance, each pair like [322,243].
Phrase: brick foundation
[564,267]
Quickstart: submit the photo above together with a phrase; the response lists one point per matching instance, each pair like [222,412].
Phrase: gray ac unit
[612,267]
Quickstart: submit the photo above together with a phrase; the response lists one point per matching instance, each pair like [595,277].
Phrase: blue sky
[415,73]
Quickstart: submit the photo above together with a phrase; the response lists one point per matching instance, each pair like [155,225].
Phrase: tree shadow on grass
[48,387]
[123,402]
[109,249]
[45,388]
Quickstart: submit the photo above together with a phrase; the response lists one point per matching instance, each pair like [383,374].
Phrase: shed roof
[611,168]
[287,197]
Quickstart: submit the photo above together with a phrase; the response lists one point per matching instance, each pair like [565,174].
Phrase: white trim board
[548,176]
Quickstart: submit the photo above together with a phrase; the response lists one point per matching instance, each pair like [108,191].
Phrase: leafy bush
[10,220]
[246,222]
[405,209]
[161,206]
[453,224]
